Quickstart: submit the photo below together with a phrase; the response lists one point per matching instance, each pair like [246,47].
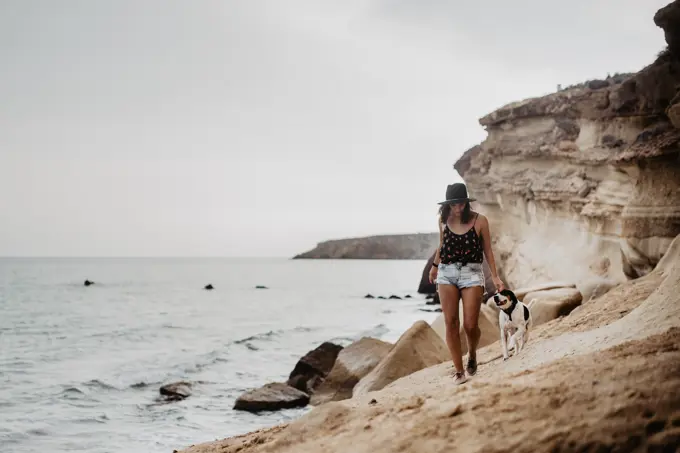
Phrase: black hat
[456,193]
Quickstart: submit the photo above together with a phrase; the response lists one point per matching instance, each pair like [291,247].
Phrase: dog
[515,322]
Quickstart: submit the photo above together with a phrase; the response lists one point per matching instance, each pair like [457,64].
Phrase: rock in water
[434,300]
[395,297]
[261,287]
[271,397]
[313,367]
[176,391]
[88,283]
[369,296]
[208,286]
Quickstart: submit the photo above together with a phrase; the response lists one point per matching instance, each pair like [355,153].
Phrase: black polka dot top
[461,248]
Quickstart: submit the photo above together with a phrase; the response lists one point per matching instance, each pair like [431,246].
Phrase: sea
[81,367]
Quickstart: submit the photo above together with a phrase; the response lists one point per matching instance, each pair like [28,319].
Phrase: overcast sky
[258,128]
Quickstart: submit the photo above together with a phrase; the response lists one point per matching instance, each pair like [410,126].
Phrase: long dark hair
[445,211]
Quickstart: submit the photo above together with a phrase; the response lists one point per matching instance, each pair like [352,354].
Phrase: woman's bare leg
[449,297]
[472,303]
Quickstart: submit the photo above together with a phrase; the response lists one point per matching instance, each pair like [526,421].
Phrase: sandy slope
[606,378]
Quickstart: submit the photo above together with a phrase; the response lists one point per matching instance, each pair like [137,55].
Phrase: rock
[522,292]
[208,286]
[271,397]
[567,146]
[313,367]
[425,287]
[408,296]
[88,283]
[395,297]
[261,287]
[488,325]
[434,301]
[611,141]
[597,84]
[595,287]
[552,303]
[381,297]
[353,363]
[369,296]
[433,310]
[419,347]
[176,391]
[668,18]
[673,113]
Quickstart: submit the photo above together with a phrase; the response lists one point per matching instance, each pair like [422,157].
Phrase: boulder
[419,347]
[176,391]
[552,303]
[352,364]
[592,288]
[488,325]
[522,292]
[271,397]
[425,286]
[313,367]
[88,283]
[209,286]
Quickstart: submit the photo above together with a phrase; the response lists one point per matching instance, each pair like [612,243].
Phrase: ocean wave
[100,419]
[96,383]
[259,336]
[72,390]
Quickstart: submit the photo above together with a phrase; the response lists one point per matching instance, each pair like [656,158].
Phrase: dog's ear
[509,294]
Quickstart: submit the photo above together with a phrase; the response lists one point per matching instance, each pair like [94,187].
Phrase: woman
[464,239]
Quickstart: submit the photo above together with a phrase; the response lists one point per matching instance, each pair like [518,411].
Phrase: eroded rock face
[583,183]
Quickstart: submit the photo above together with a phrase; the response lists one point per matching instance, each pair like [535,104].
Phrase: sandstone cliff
[584,183]
[397,247]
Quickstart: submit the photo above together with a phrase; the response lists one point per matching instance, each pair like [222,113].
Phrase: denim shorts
[460,275]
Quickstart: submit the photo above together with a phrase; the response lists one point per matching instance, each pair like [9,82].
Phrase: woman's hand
[433,274]
[500,286]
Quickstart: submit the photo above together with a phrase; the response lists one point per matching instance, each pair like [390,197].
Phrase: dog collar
[509,310]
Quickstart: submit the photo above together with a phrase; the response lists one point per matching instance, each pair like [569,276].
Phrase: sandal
[459,378]
[471,366]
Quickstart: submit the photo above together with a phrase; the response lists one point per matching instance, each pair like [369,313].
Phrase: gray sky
[258,128]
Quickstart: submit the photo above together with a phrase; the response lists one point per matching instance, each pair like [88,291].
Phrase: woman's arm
[441,240]
[435,262]
[486,243]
